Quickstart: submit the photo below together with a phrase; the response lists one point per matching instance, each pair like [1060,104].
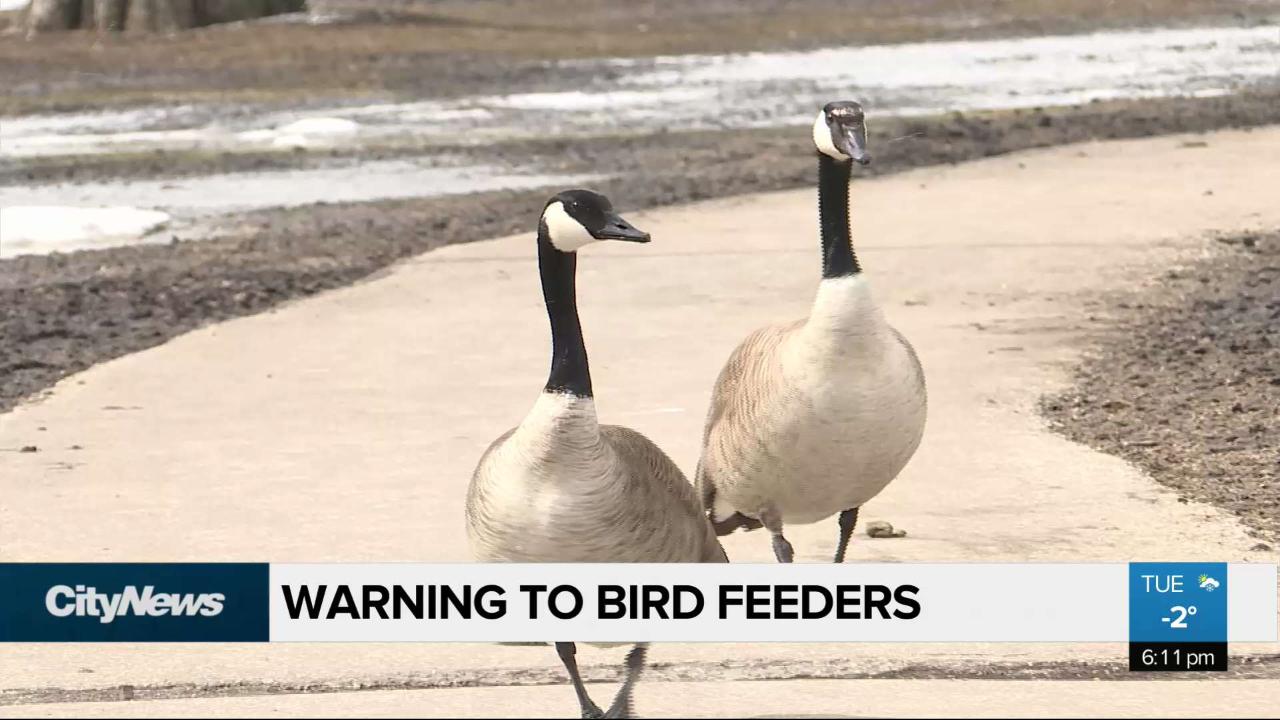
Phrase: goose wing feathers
[661,500]
[747,385]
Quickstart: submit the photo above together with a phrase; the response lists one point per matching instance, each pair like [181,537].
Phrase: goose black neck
[569,370]
[838,258]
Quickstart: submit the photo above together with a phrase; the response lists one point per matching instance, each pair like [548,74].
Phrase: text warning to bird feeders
[1176,616]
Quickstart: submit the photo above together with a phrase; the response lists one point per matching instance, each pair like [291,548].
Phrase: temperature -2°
[1179,613]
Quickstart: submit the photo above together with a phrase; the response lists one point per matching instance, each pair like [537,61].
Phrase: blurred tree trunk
[50,15]
[160,15]
[148,15]
[108,15]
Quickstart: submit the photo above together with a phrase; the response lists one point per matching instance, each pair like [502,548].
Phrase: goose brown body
[815,416]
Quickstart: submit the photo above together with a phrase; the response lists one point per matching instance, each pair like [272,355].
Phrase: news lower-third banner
[1156,607]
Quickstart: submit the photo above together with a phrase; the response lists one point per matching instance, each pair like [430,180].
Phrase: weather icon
[1208,583]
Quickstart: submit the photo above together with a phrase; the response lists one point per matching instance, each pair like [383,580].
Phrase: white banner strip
[1249,605]
[729,603]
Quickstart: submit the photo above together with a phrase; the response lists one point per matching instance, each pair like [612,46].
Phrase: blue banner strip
[134,602]
[1178,602]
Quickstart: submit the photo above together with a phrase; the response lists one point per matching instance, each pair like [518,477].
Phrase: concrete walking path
[771,699]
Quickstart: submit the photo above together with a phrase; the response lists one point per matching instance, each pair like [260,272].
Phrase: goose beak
[616,228]
[851,139]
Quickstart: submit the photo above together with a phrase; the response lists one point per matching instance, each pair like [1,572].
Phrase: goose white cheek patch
[565,233]
[822,138]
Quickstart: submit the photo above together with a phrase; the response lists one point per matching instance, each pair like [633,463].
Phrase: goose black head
[575,218]
[840,132]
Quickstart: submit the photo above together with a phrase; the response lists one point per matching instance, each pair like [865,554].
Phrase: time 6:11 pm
[1177,658]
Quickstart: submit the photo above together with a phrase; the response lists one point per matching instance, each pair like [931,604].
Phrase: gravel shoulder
[1186,382]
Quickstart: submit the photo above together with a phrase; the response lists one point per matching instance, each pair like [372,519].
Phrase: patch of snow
[606,101]
[19,139]
[38,229]
[773,89]
[104,121]
[44,218]
[98,143]
[7,5]
[305,17]
[320,126]
[304,133]
[913,78]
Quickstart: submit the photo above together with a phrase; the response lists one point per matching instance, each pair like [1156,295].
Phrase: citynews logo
[81,601]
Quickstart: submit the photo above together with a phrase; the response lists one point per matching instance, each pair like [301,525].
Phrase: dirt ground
[422,49]
[1186,383]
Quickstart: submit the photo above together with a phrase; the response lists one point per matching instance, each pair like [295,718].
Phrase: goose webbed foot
[568,653]
[621,706]
[848,519]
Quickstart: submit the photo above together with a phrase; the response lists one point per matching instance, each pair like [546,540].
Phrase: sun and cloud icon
[1208,583]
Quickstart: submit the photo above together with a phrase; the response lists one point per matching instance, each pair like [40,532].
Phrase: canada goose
[815,417]
[561,487]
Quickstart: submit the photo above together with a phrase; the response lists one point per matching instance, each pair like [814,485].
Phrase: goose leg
[781,548]
[568,655]
[848,519]
[621,706]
